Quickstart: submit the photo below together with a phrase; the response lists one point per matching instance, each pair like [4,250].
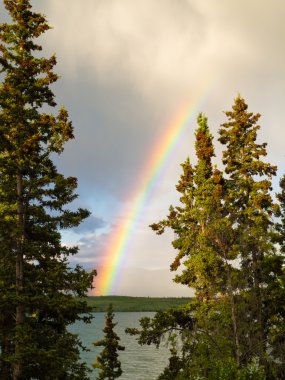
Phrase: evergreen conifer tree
[37,285]
[251,210]
[226,235]
[107,361]
[200,188]
[204,241]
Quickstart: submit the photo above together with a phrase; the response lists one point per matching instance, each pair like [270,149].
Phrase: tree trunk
[233,316]
[5,350]
[17,368]
[258,309]
[230,291]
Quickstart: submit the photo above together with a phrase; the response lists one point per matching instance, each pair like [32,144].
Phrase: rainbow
[121,237]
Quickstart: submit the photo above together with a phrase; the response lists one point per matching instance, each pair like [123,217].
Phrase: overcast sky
[127,67]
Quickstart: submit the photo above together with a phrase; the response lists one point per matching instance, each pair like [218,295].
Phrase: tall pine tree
[205,245]
[37,285]
[251,210]
[200,188]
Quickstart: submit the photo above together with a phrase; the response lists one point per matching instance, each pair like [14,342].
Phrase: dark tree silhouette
[107,361]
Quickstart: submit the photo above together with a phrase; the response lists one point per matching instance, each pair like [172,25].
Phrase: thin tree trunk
[233,316]
[258,308]
[5,350]
[17,368]
[224,249]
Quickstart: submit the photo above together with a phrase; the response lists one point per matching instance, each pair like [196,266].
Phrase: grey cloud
[128,67]
[149,44]
[90,251]
[113,131]
[161,47]
[90,225]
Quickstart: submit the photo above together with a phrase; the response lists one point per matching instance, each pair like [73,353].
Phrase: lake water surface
[138,362]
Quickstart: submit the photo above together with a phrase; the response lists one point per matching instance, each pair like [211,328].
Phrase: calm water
[138,362]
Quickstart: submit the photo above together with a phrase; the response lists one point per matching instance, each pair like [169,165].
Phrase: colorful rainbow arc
[121,238]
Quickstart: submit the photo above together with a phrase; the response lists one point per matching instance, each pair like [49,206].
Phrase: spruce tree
[205,245]
[200,188]
[231,251]
[107,361]
[37,284]
[251,210]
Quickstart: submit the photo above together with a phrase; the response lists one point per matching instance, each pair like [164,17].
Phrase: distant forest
[125,303]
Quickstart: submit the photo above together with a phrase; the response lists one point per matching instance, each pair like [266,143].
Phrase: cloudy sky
[127,68]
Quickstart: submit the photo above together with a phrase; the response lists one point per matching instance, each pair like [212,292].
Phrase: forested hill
[125,303]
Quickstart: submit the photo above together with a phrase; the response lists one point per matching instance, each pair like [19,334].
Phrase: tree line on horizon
[229,232]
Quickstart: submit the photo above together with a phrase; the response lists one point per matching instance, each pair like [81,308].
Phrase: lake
[138,362]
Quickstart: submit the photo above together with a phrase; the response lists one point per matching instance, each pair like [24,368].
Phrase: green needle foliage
[251,209]
[37,285]
[229,239]
[107,361]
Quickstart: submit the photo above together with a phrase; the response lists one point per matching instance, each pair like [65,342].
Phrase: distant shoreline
[135,304]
